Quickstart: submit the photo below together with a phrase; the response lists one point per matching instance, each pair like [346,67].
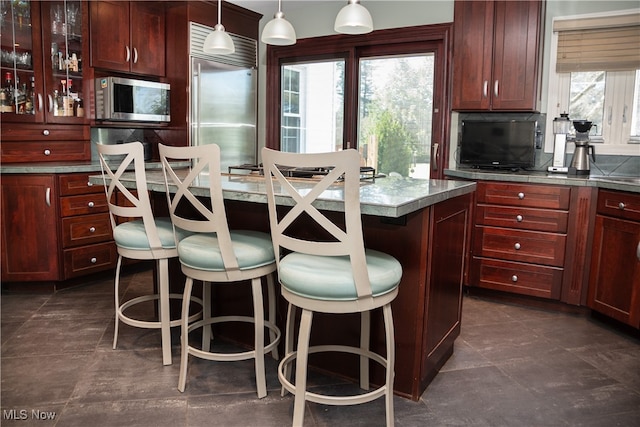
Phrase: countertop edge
[606,182]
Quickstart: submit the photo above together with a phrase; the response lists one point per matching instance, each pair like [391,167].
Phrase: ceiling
[269,7]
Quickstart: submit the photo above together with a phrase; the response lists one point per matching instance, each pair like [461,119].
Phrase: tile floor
[512,366]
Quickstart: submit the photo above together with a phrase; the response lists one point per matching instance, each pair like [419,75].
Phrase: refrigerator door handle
[196,105]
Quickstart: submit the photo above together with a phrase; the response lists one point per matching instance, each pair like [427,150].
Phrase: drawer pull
[47,152]
[89,184]
[638,251]
[621,206]
[91,204]
[519,218]
[92,230]
[514,278]
[94,260]
[517,246]
[520,196]
[45,132]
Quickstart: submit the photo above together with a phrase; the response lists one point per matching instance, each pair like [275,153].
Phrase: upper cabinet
[496,58]
[128,37]
[36,87]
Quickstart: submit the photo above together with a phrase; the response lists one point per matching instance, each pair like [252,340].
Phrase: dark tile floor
[512,366]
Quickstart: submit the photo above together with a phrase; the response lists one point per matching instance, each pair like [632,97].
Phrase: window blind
[609,43]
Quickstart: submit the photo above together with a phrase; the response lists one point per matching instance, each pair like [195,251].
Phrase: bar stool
[213,253]
[140,236]
[334,274]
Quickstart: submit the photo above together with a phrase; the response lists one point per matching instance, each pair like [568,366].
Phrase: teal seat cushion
[132,235]
[252,249]
[330,278]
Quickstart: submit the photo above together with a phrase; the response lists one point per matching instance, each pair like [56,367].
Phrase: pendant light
[279,31]
[354,19]
[219,41]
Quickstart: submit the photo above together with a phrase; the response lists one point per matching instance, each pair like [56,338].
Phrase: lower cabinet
[29,228]
[87,243]
[54,227]
[520,238]
[614,285]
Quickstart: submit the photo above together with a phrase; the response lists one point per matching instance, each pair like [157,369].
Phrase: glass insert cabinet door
[41,88]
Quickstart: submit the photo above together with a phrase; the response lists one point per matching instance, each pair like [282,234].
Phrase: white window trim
[558,103]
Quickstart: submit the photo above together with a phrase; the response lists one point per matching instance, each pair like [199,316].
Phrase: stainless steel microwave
[123,99]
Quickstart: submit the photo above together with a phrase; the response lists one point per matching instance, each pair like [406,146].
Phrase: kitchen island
[425,224]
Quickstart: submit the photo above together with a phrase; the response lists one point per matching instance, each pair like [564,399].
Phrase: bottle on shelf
[7,102]
[29,107]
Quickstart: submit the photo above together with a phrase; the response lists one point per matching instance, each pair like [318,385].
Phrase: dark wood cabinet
[496,59]
[43,45]
[29,228]
[54,228]
[614,285]
[86,240]
[128,37]
[44,143]
[520,238]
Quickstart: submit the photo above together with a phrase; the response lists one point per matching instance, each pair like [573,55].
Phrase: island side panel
[449,240]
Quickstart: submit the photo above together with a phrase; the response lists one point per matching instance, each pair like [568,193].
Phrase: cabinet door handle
[47,196]
[40,102]
[517,246]
[520,196]
[485,89]
[135,55]
[128,55]
[91,204]
[638,251]
[435,156]
[519,218]
[50,103]
[495,88]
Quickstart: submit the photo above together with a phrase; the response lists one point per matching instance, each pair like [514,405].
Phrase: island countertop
[386,197]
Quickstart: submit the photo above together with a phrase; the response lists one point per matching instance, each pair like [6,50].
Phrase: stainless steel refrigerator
[223,98]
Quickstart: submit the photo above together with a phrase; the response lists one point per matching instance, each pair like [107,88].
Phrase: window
[312,106]
[381,93]
[597,78]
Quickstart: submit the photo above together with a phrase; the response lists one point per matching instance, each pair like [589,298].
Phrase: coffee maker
[561,129]
[580,161]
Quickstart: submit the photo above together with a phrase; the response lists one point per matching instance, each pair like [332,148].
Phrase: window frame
[436,38]
[616,138]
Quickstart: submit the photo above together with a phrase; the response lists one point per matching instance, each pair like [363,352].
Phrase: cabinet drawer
[528,195]
[89,259]
[522,218]
[21,133]
[519,245]
[83,204]
[516,277]
[86,229]
[619,204]
[49,151]
[78,183]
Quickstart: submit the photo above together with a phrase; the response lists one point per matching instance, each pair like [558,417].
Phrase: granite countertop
[622,183]
[62,167]
[388,197]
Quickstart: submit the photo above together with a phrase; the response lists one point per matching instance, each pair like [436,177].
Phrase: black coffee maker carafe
[580,161]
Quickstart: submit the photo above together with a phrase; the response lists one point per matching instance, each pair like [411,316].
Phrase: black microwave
[124,99]
[509,144]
